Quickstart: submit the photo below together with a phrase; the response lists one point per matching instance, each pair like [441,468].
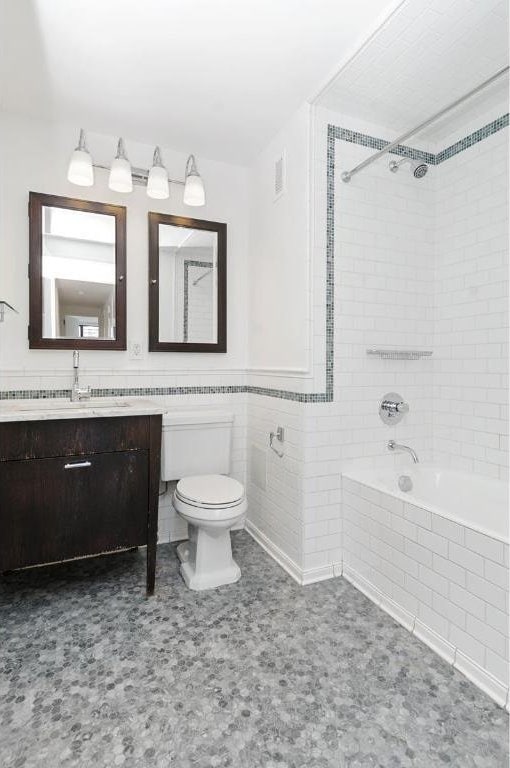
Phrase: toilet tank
[195,443]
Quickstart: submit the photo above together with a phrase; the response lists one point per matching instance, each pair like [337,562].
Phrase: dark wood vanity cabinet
[76,487]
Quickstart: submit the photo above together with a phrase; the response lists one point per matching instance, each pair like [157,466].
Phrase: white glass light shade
[80,169]
[194,192]
[120,175]
[157,183]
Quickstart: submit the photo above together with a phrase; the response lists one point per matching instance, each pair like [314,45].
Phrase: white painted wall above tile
[34,156]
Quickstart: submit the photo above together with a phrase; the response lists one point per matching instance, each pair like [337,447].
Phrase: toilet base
[183,551]
[206,559]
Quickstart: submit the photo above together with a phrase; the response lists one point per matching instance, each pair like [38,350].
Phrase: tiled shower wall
[391,265]
[384,272]
[470,427]
[389,250]
[421,264]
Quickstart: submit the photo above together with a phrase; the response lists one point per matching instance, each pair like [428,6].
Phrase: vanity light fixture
[157,182]
[194,192]
[122,176]
[80,169]
[121,179]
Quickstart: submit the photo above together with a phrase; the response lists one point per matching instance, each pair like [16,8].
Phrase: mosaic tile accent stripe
[364,140]
[334,133]
[473,138]
[330,264]
[187,264]
[53,394]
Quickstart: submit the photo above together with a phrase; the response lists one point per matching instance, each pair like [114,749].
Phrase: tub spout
[393,446]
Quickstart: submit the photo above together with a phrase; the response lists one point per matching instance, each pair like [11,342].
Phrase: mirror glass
[78,274]
[188,285]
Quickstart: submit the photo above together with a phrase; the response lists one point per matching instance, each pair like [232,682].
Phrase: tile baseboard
[481,678]
[495,689]
[283,560]
[301,576]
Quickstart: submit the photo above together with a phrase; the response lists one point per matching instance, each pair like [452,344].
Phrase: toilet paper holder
[278,435]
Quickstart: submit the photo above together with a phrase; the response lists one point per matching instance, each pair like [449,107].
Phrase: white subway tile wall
[470,397]
[393,257]
[275,491]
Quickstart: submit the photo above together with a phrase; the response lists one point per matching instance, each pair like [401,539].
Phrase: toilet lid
[210,490]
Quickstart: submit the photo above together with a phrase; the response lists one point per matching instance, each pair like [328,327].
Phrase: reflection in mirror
[187,284]
[188,261]
[78,274]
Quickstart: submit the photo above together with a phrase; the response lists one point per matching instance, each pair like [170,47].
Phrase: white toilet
[195,450]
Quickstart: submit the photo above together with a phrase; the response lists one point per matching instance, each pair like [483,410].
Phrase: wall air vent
[279,176]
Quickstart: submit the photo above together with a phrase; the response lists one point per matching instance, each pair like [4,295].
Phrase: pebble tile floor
[263,673]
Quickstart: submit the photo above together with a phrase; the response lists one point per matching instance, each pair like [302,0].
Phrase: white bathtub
[479,503]
[436,559]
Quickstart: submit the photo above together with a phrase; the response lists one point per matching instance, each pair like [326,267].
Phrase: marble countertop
[44,410]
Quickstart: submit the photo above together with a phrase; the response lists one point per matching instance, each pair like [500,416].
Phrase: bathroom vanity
[78,480]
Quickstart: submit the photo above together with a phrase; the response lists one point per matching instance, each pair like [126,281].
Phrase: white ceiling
[429,53]
[171,236]
[216,77]
[84,294]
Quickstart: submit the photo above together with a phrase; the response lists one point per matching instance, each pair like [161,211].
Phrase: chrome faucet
[78,393]
[393,446]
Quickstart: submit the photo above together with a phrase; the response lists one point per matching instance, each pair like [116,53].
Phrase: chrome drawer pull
[78,465]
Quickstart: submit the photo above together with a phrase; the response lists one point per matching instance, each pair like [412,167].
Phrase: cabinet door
[59,508]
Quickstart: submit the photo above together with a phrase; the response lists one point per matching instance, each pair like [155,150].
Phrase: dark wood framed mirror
[77,274]
[187,284]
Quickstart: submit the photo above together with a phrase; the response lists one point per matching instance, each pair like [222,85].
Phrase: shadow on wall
[21,43]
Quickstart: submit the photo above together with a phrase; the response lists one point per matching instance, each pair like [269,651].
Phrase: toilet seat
[214,492]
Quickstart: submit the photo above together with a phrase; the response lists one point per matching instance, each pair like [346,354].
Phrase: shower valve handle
[392,408]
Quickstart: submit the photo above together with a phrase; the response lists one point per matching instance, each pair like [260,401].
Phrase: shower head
[418,170]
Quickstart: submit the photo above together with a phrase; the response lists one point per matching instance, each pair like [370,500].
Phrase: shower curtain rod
[347,175]
[196,282]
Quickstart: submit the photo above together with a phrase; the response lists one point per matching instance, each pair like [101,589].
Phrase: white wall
[281,348]
[470,429]
[383,297]
[34,156]
[275,485]
[388,292]
[278,328]
[384,272]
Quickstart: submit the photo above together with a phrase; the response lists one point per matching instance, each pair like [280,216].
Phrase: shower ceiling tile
[423,58]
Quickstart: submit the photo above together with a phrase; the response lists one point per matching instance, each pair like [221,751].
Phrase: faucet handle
[392,408]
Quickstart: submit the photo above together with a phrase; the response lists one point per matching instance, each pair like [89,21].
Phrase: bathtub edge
[481,678]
